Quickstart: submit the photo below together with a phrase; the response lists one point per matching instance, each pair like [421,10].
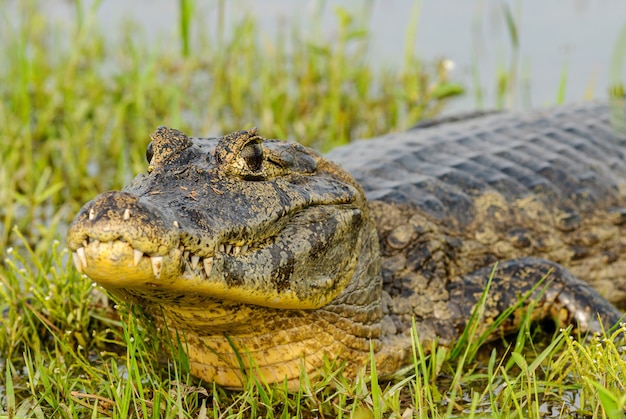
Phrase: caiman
[266,258]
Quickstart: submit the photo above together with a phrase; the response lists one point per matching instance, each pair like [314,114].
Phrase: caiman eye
[252,154]
[149,152]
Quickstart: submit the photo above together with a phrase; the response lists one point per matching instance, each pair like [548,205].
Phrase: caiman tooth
[85,243]
[228,248]
[186,254]
[244,248]
[77,262]
[208,266]
[95,242]
[137,255]
[127,214]
[222,248]
[92,214]
[157,262]
[81,255]
[194,261]
[236,250]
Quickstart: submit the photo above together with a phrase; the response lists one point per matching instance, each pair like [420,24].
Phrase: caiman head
[247,248]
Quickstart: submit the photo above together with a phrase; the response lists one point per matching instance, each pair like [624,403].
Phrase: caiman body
[266,258]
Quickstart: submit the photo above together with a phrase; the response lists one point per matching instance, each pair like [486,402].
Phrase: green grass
[75,113]
[70,351]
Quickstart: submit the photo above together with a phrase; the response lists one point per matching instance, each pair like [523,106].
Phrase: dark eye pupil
[149,152]
[252,153]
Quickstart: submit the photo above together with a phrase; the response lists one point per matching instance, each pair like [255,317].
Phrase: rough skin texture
[266,257]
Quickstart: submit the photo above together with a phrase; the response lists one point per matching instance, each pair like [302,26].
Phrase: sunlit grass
[68,353]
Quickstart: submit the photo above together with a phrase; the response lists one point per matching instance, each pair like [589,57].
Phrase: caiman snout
[121,229]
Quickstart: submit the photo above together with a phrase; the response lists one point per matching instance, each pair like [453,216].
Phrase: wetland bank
[76,113]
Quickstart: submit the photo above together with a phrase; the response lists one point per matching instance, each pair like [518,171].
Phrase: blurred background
[541,44]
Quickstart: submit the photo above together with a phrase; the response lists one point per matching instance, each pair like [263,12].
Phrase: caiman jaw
[106,256]
[93,247]
[118,251]
[111,247]
[97,247]
[115,257]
